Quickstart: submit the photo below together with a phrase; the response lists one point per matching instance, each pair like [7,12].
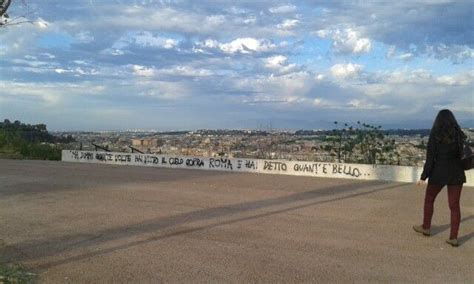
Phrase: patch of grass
[15,273]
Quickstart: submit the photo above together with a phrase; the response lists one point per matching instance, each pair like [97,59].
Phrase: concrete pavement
[75,223]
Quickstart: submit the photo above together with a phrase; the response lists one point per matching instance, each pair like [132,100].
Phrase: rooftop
[105,223]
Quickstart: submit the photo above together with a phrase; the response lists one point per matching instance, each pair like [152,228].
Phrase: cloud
[186,71]
[61,70]
[288,24]
[425,25]
[279,63]
[406,56]
[323,103]
[168,91]
[416,76]
[320,77]
[84,37]
[143,71]
[461,79]
[391,52]
[253,57]
[240,45]
[283,9]
[346,70]
[365,105]
[290,88]
[247,45]
[18,40]
[42,24]
[456,53]
[144,39]
[458,107]
[47,94]
[347,40]
[276,61]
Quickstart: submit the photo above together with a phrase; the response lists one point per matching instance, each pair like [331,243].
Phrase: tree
[4,4]
[366,140]
[5,19]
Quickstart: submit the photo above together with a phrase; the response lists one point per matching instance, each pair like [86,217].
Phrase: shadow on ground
[173,225]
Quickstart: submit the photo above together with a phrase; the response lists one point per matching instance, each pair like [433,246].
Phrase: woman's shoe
[453,242]
[421,230]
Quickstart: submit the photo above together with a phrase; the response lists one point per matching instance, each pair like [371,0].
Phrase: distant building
[145,142]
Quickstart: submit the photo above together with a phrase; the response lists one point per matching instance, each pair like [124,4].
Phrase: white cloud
[283,9]
[143,71]
[246,45]
[145,39]
[288,88]
[185,71]
[47,55]
[320,102]
[276,61]
[216,20]
[170,91]
[49,94]
[456,107]
[347,40]
[236,10]
[175,71]
[42,24]
[21,39]
[320,77]
[346,70]
[210,43]
[164,19]
[279,63]
[61,70]
[461,79]
[288,24]
[240,45]
[84,37]
[364,104]
[250,20]
[416,76]
[81,62]
[33,63]
[406,56]
[113,51]
[456,53]
[391,52]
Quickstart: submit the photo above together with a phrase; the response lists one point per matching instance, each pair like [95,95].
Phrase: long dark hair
[446,129]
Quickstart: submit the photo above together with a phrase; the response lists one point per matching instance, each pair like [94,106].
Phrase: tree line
[363,143]
[30,141]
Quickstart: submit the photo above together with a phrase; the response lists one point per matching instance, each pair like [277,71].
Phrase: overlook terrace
[103,223]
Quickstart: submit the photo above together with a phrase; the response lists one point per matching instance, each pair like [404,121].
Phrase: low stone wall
[298,168]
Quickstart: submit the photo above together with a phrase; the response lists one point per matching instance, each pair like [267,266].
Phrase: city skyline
[182,65]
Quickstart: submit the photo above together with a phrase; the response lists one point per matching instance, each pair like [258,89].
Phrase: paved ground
[98,223]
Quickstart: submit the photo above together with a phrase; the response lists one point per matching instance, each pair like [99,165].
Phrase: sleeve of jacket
[430,154]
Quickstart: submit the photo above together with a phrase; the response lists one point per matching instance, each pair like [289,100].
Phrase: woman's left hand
[421,182]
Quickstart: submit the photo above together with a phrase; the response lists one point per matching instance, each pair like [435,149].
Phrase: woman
[443,167]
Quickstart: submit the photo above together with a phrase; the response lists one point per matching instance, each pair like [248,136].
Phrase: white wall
[317,169]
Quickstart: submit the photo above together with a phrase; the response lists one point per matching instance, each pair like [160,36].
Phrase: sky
[185,65]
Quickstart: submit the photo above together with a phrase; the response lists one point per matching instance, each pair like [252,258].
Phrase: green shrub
[10,273]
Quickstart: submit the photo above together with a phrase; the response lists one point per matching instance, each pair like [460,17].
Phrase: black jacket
[443,163]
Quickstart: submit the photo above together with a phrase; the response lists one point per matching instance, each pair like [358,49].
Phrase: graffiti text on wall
[228,164]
